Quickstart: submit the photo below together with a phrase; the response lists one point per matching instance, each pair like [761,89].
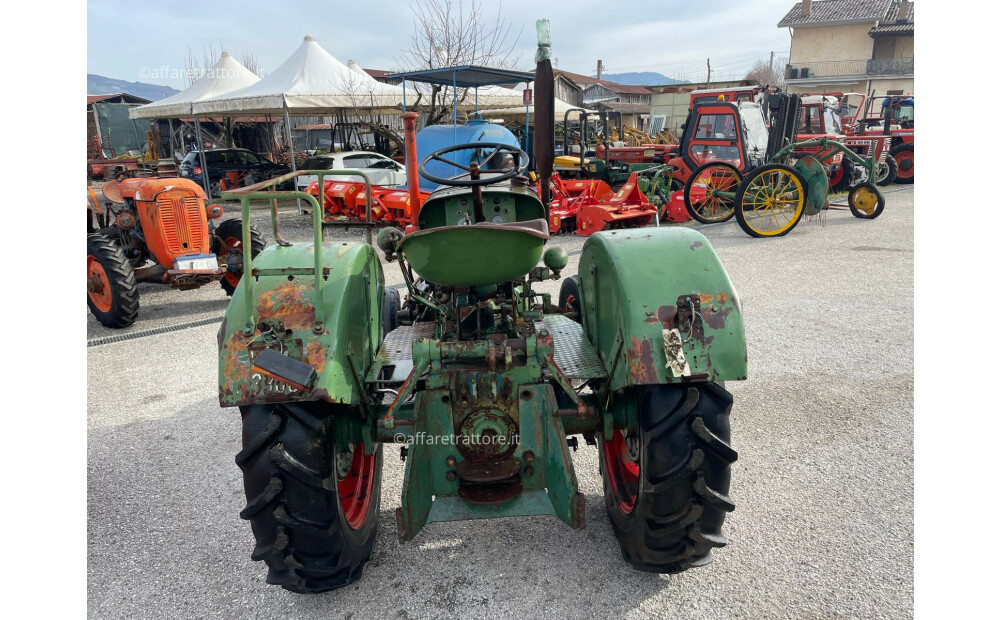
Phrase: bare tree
[447,33]
[195,68]
[765,75]
[250,61]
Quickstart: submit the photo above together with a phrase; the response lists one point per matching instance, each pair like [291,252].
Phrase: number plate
[201,261]
[261,385]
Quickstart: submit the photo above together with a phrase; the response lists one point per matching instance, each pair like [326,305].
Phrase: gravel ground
[823,487]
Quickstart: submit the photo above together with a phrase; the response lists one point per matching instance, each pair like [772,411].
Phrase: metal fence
[839,68]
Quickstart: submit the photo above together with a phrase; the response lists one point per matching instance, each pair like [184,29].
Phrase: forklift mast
[783,110]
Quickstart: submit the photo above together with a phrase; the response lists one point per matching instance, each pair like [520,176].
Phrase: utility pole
[708,78]
[770,71]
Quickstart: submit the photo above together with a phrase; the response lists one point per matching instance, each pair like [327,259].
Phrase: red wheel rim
[100,298]
[713,178]
[568,306]
[904,164]
[623,473]
[355,489]
[234,245]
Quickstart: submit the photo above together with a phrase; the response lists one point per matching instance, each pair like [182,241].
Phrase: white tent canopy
[518,112]
[488,97]
[226,76]
[496,97]
[311,82]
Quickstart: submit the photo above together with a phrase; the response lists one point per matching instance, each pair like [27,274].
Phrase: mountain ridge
[640,78]
[102,85]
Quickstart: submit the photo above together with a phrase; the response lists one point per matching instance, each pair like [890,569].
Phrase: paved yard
[823,486]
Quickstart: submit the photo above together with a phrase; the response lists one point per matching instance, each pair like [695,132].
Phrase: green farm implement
[771,199]
[478,376]
[768,189]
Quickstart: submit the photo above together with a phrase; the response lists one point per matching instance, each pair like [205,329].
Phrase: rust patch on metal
[666,316]
[316,355]
[287,304]
[696,245]
[717,320]
[642,366]
[235,367]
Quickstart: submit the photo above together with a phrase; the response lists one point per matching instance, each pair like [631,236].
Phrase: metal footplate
[396,353]
[573,352]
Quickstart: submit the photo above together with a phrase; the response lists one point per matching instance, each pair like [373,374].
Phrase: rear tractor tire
[231,233]
[885,172]
[569,298]
[313,509]
[390,311]
[666,486]
[843,177]
[112,292]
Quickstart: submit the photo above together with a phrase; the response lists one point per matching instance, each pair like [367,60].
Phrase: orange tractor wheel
[112,292]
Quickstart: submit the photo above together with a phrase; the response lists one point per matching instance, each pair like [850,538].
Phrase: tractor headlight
[214,211]
[125,221]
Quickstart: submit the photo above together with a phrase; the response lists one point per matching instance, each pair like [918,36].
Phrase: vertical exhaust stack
[545,111]
[412,176]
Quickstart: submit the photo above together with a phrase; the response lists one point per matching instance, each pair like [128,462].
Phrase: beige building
[850,46]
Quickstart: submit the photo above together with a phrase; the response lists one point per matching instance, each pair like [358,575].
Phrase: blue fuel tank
[430,139]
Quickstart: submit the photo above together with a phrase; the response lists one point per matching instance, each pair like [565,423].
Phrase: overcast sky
[136,41]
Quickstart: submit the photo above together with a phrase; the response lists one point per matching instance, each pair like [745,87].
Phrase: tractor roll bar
[255,191]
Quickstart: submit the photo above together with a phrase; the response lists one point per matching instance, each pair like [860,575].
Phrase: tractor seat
[476,254]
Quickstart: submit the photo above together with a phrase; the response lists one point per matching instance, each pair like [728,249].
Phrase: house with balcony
[850,46]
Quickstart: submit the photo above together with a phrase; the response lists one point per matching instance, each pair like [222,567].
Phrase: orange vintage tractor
[157,230]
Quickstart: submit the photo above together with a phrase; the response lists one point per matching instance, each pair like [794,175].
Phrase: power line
[744,54]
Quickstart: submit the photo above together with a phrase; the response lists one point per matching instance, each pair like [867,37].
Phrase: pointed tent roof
[311,82]
[226,76]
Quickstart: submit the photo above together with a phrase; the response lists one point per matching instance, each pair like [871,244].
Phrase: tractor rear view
[480,377]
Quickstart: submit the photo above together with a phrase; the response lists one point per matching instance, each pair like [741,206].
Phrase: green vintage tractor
[482,380]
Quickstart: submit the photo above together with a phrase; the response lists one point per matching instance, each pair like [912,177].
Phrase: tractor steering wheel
[498,147]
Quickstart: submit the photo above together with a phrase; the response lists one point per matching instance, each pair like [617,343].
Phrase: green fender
[637,286]
[350,310]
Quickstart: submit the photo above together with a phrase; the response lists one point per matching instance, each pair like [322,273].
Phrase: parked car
[379,168]
[238,166]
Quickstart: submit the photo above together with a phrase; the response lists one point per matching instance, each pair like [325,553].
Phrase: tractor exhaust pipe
[412,176]
[545,112]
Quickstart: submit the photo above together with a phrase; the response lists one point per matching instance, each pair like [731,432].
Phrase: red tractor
[837,114]
[895,123]
[721,141]
[160,230]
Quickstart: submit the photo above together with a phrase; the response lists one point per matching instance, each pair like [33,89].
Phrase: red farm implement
[586,206]
[346,200]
